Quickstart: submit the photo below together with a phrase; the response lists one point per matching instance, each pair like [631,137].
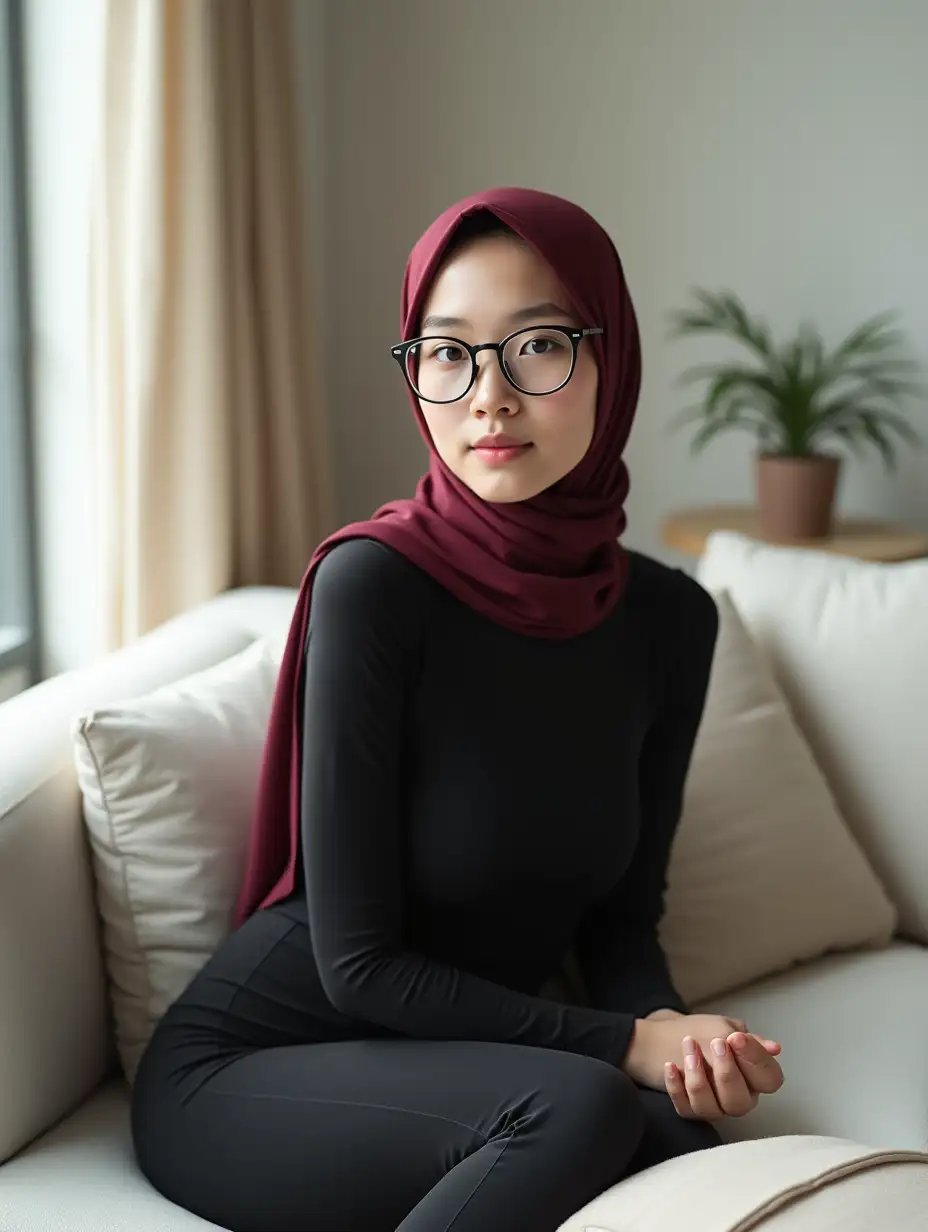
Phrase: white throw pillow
[848,643]
[169,783]
[763,873]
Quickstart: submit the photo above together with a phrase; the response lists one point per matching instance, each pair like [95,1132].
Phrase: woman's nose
[492,394]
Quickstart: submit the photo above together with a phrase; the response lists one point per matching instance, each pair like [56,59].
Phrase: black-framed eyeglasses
[538,360]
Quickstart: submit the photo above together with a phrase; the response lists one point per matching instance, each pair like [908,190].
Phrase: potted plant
[797,398]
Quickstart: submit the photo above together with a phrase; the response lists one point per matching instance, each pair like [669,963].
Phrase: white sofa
[853,1026]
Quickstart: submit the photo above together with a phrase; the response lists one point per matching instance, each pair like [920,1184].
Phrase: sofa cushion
[82,1176]
[55,1020]
[851,1027]
[764,872]
[803,1183]
[168,783]
[848,642]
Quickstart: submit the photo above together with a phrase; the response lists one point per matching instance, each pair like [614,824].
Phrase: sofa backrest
[848,643]
[56,1041]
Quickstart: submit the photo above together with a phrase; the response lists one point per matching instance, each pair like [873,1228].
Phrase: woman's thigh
[359,1136]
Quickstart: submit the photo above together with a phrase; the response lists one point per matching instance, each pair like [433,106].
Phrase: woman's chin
[502,485]
[503,489]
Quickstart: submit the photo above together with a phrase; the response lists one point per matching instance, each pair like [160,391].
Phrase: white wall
[774,148]
[63,64]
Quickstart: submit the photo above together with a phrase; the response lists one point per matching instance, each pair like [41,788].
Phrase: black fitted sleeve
[618,949]
[366,626]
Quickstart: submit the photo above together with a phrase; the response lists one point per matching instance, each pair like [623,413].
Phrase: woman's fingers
[770,1045]
[696,1079]
[673,1082]
[734,1096]
[761,1071]
[738,1024]
[727,1080]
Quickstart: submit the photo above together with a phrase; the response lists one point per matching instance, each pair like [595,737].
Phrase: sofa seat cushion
[852,1028]
[82,1177]
[801,1183]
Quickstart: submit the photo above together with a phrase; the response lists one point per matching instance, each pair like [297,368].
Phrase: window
[19,666]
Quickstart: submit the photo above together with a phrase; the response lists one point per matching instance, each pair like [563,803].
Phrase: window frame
[24,654]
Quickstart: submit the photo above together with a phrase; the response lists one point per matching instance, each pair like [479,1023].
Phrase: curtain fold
[211,452]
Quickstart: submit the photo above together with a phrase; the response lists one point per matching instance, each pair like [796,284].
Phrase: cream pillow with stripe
[848,643]
[764,873]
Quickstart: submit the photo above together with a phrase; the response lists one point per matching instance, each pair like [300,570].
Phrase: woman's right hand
[657,1041]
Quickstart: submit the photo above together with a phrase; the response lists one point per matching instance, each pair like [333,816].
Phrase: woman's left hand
[729,1084]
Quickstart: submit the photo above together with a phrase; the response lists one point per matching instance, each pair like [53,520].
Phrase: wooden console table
[865,538]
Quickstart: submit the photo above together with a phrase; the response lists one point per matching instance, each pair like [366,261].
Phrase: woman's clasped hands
[710,1065]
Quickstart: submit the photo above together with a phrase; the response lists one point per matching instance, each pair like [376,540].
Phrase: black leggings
[377,1135]
[418,1136]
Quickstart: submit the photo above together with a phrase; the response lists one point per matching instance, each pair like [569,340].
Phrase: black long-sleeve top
[477,802]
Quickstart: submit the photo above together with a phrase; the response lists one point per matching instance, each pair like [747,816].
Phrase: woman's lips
[500,455]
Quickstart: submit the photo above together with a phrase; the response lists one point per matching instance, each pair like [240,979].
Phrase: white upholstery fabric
[82,1177]
[848,640]
[169,782]
[853,1028]
[780,1184]
[763,871]
[55,1043]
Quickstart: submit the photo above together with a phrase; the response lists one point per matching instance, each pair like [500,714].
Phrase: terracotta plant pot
[796,496]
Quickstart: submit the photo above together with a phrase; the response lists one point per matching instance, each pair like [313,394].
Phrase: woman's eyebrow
[531,313]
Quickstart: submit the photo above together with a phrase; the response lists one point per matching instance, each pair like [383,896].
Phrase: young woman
[474,766]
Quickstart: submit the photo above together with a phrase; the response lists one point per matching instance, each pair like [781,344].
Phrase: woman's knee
[597,1103]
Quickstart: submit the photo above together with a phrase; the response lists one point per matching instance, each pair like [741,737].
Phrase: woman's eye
[444,350]
[538,346]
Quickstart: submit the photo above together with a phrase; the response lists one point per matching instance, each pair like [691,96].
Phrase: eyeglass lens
[537,360]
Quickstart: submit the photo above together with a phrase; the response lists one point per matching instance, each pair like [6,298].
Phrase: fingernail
[718,1047]
[738,1041]
[670,1070]
[689,1044]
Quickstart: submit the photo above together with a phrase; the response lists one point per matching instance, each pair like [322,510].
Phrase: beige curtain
[211,457]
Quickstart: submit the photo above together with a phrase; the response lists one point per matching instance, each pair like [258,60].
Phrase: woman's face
[485,289]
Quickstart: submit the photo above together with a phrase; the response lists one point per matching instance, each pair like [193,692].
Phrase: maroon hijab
[549,567]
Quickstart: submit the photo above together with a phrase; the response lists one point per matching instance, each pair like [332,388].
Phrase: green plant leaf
[689,414]
[872,337]
[888,364]
[895,422]
[723,312]
[711,429]
[850,412]
[878,437]
[755,387]
[851,439]
[891,389]
[798,395]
